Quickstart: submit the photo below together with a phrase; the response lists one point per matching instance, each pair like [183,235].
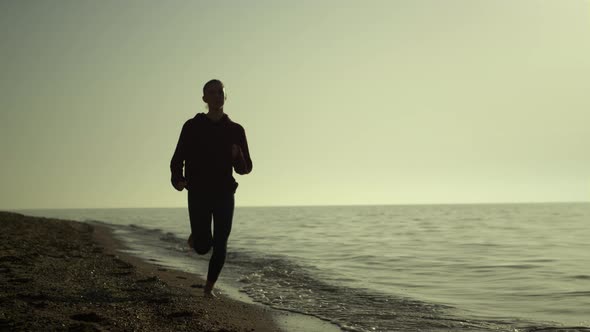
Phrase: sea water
[492,267]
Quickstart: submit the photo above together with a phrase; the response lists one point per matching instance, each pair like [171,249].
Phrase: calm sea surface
[509,267]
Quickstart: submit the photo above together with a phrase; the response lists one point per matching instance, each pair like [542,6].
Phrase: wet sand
[68,276]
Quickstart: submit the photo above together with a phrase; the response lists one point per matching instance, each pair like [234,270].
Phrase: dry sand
[68,276]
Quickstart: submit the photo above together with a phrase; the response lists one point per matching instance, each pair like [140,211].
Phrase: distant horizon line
[308,205]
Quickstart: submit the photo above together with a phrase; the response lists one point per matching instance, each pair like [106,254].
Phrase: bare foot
[208,290]
[190,241]
[210,294]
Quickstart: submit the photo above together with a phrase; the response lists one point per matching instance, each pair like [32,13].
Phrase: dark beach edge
[70,276]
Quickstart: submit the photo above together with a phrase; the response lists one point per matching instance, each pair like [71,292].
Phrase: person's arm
[177,162]
[242,162]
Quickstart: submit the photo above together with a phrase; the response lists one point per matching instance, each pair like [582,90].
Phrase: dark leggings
[200,209]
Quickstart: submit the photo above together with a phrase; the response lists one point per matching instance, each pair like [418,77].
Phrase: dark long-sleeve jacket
[204,149]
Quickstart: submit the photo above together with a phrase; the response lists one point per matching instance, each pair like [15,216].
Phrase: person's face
[215,96]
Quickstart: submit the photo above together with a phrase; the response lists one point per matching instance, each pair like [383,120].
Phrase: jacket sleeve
[243,164]
[177,162]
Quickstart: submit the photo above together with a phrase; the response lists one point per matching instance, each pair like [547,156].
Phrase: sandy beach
[69,276]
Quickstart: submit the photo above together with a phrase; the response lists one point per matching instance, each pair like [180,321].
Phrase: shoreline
[73,276]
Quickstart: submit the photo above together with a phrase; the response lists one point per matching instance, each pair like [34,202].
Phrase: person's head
[214,94]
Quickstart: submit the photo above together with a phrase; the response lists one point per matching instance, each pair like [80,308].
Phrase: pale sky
[343,102]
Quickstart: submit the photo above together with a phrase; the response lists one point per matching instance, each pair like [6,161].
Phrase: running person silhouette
[210,145]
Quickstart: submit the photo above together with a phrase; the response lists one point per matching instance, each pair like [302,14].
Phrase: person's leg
[223,212]
[200,211]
